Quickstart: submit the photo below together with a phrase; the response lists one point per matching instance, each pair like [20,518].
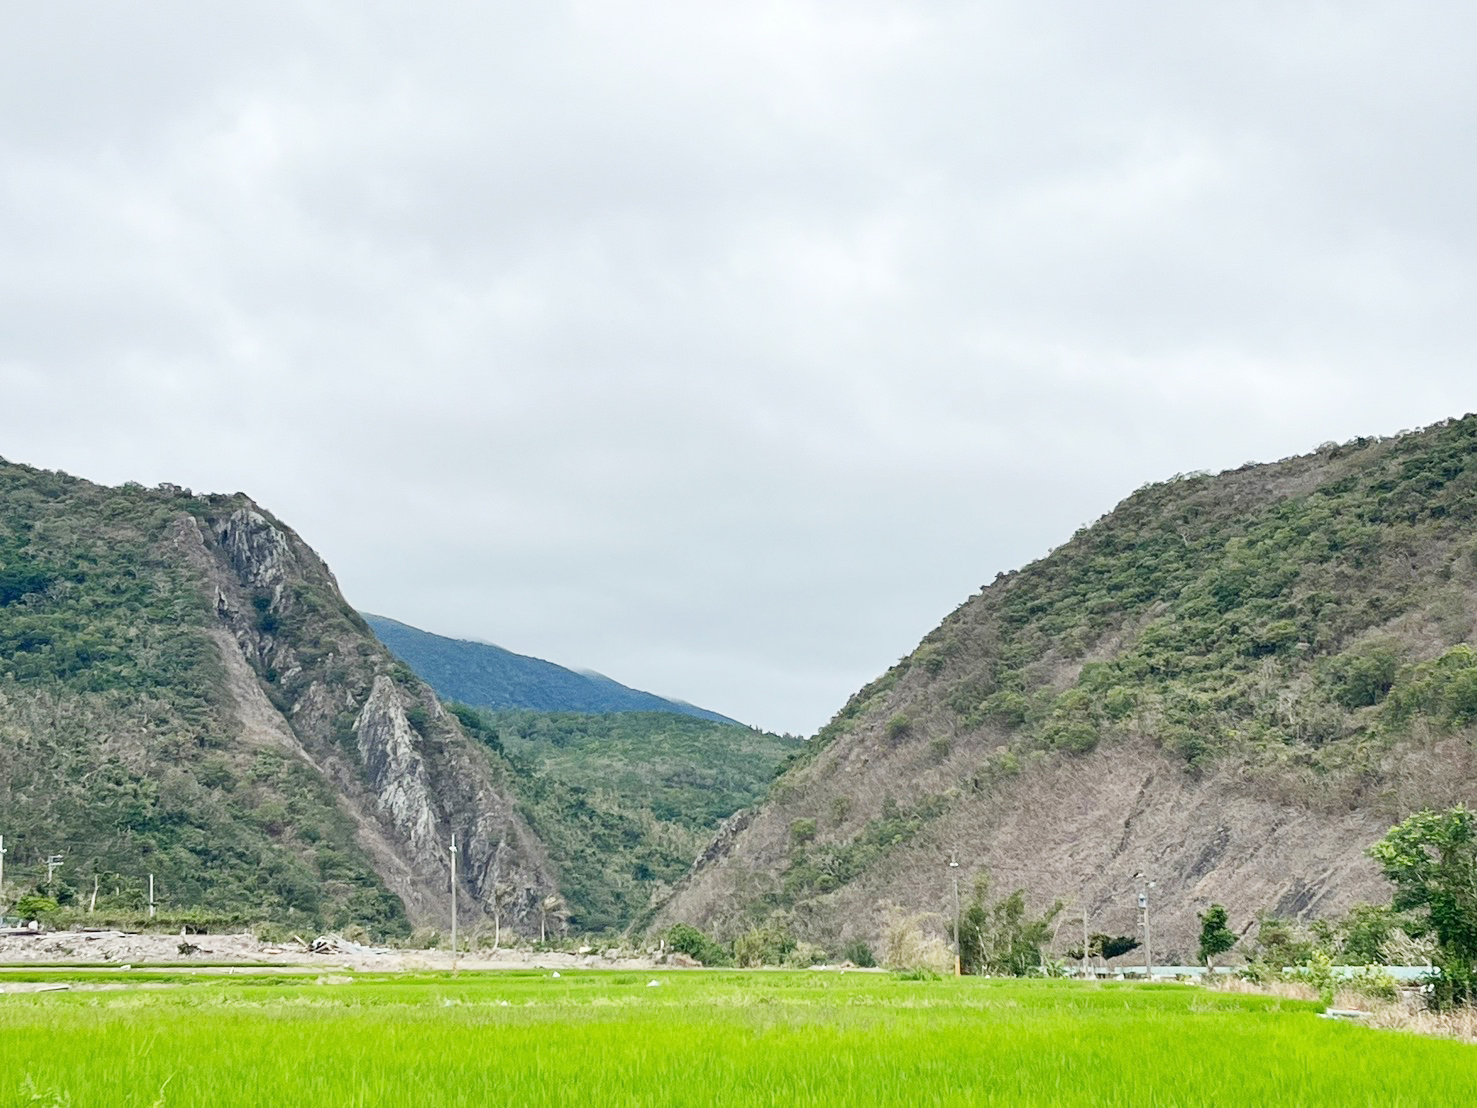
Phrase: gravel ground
[121,948]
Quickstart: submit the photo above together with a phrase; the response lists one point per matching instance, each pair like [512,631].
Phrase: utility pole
[453,902]
[1148,936]
[2,870]
[53,863]
[1084,938]
[954,872]
[151,896]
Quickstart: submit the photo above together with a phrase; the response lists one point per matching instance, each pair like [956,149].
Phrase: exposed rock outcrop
[406,774]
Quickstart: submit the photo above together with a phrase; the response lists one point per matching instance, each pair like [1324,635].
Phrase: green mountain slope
[687,771]
[184,693]
[1230,684]
[490,677]
[625,801]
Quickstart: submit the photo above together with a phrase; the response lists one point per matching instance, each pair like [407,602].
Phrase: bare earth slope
[1230,684]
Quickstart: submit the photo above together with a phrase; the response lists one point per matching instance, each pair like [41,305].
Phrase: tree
[999,937]
[551,905]
[1100,945]
[1215,936]
[503,897]
[686,939]
[1432,860]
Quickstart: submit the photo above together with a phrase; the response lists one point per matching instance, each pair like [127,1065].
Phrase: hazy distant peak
[489,676]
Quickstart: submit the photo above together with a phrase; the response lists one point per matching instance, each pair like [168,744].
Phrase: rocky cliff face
[407,775]
[1230,686]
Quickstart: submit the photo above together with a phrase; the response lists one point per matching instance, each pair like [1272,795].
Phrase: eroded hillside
[1230,684]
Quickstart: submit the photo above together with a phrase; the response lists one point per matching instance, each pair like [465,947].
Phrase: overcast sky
[723,348]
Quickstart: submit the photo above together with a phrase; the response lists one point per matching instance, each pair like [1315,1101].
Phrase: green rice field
[697,1038]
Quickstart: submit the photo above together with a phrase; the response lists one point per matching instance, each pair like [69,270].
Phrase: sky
[722,348]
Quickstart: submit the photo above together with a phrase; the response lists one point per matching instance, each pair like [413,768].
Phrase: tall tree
[1432,860]
[1000,937]
[1215,937]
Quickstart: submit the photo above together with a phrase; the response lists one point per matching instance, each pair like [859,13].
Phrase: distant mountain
[487,676]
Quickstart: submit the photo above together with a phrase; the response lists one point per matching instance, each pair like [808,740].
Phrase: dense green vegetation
[624,800]
[490,677]
[703,1038]
[687,771]
[117,751]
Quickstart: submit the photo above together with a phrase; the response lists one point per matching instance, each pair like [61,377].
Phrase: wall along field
[697,1038]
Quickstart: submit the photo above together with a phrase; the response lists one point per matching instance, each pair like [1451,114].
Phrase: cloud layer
[723,349]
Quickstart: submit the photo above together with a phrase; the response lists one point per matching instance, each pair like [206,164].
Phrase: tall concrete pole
[958,962]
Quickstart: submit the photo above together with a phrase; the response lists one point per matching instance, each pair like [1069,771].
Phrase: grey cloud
[724,350]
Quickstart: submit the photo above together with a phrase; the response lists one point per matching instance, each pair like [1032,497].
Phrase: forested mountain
[487,676]
[626,800]
[1229,685]
[184,693]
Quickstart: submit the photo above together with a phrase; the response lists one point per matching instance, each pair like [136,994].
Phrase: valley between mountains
[1230,685]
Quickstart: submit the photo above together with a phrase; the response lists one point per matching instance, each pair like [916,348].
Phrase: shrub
[424,938]
[858,953]
[272,933]
[908,948]
[36,907]
[686,939]
[898,728]
[802,830]
[417,716]
[770,945]
[804,955]
[1119,703]
[1318,972]
[1073,738]
[1362,677]
[1007,706]
[1374,982]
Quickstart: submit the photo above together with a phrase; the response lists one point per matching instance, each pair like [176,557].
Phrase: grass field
[700,1038]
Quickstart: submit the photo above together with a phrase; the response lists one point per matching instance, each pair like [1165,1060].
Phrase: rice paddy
[695,1038]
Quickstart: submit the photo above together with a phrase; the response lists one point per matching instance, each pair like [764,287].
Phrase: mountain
[185,694]
[626,800]
[1229,685]
[487,676]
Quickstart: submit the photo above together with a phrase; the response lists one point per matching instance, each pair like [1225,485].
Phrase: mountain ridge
[488,676]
